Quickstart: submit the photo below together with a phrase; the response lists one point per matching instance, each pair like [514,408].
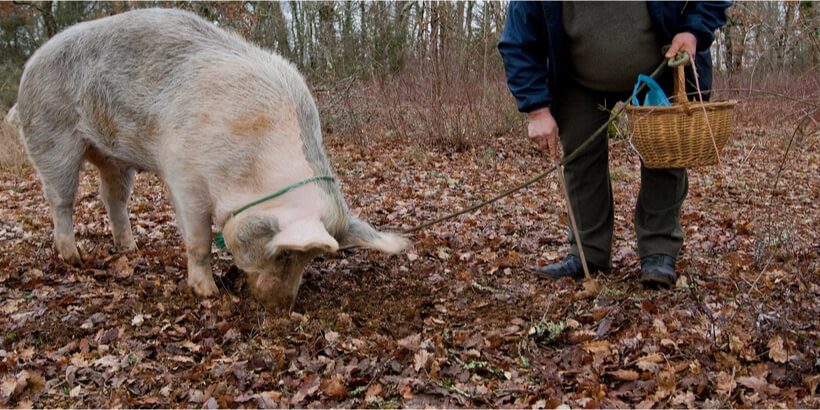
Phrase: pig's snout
[273,292]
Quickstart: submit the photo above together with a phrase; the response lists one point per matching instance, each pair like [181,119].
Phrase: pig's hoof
[72,257]
[204,287]
[128,245]
[67,249]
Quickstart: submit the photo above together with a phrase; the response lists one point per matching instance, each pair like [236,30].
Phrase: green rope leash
[219,240]
[680,57]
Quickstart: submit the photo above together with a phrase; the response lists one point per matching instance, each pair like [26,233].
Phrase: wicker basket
[678,136]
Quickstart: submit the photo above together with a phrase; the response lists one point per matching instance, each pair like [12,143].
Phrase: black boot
[571,266]
[658,270]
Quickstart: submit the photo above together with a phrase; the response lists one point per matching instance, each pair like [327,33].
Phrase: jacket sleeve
[702,18]
[524,48]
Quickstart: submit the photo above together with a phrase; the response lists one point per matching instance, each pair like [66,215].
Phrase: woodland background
[441,56]
[418,122]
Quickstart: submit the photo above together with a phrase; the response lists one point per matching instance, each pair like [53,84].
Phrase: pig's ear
[303,236]
[360,233]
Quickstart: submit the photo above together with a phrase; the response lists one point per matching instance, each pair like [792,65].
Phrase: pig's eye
[283,256]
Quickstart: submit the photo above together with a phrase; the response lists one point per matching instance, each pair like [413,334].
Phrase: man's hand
[683,42]
[544,131]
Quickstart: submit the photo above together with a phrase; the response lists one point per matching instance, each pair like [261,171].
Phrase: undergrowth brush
[13,157]
[451,116]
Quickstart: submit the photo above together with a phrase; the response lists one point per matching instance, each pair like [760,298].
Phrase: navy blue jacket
[533,44]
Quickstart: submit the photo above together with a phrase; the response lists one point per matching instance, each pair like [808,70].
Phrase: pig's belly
[124,156]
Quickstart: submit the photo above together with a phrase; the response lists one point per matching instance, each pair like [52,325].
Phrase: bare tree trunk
[298,32]
[808,11]
[326,37]
[271,28]
[485,31]
[457,21]
[310,44]
[364,38]
[347,39]
[468,22]
[733,41]
[784,37]
[435,25]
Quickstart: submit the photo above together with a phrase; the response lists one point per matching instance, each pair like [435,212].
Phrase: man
[563,61]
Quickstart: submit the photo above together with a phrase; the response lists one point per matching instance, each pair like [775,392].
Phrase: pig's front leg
[194,221]
[198,244]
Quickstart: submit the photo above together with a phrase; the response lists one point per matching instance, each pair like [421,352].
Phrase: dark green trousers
[657,212]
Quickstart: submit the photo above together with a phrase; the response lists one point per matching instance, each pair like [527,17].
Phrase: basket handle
[679,88]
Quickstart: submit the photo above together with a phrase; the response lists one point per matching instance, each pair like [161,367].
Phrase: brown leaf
[373,392]
[36,383]
[25,404]
[406,392]
[725,383]
[33,381]
[211,404]
[84,347]
[26,380]
[10,306]
[666,384]
[600,350]
[308,388]
[121,268]
[649,307]
[411,342]
[333,388]
[660,327]
[650,362]
[8,387]
[268,399]
[109,336]
[26,353]
[758,385]
[777,351]
[736,344]
[591,289]
[592,404]
[182,359]
[759,370]
[598,347]
[811,382]
[420,359]
[687,398]
[194,396]
[625,375]
[331,337]
[599,313]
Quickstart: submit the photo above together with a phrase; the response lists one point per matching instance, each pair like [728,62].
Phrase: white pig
[221,121]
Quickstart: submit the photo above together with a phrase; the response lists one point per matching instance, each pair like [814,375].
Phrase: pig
[221,121]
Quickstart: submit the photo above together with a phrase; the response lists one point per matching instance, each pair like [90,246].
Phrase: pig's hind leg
[58,160]
[117,182]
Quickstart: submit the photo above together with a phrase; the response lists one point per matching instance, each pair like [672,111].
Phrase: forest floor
[458,320]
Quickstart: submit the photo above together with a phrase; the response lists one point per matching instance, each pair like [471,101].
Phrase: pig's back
[131,81]
[156,48]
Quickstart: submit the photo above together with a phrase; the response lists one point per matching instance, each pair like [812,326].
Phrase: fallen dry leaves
[460,320]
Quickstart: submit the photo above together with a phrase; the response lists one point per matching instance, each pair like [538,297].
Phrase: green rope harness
[219,241]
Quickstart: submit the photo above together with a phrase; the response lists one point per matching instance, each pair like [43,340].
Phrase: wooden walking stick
[572,221]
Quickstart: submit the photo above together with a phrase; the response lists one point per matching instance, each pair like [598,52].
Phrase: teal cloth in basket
[655,95]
